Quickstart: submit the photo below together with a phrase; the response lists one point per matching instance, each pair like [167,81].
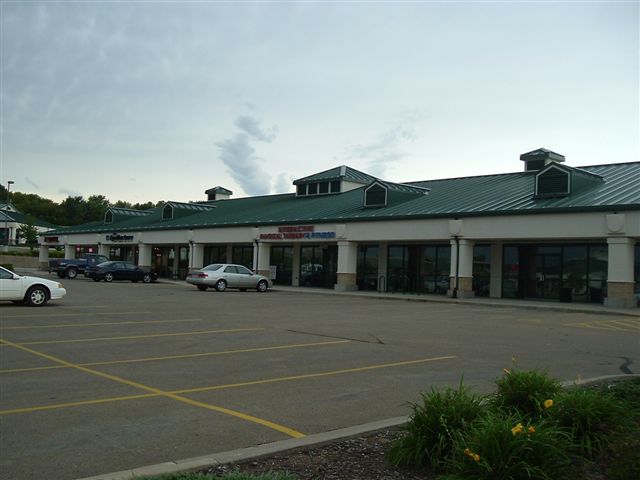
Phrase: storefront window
[511,272]
[215,254]
[318,266]
[419,268]
[397,269]
[481,270]
[243,255]
[367,268]
[281,260]
[575,273]
[598,265]
[637,272]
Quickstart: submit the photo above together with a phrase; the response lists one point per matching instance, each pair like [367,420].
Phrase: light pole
[6,219]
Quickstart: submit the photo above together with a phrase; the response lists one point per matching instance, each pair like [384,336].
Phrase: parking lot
[122,375]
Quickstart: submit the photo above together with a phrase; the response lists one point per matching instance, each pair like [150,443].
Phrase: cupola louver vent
[552,182]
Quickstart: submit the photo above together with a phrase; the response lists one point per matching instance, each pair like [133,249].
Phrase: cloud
[32,183]
[251,125]
[388,148]
[69,193]
[245,166]
[282,184]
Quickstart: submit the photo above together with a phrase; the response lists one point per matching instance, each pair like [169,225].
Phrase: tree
[29,231]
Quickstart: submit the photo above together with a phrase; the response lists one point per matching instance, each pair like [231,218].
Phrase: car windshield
[215,266]
[106,264]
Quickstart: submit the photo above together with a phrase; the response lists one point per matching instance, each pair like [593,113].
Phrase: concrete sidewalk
[551,305]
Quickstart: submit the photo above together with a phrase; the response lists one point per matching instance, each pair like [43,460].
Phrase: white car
[226,275]
[33,291]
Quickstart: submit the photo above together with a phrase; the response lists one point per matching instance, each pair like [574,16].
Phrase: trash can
[566,294]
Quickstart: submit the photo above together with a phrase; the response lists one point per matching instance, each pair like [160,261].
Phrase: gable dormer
[375,195]
[557,180]
[553,181]
[218,193]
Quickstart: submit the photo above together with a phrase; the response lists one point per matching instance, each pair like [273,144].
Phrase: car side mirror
[15,277]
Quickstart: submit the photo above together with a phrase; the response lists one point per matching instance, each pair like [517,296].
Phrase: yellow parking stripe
[626,325]
[177,357]
[97,324]
[75,314]
[274,426]
[80,403]
[132,337]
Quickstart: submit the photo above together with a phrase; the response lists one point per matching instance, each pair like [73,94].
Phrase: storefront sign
[119,238]
[302,232]
[51,239]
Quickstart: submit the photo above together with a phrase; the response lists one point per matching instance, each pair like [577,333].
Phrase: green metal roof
[19,217]
[502,194]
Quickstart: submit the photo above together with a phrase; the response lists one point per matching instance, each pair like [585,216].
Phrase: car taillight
[198,275]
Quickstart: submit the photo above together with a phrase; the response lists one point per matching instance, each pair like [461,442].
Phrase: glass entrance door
[545,275]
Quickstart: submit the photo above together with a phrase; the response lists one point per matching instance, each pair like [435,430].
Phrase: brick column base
[465,287]
[620,295]
[346,282]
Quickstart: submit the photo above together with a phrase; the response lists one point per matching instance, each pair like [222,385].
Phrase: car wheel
[262,286]
[108,277]
[36,296]
[72,273]
[221,285]
[202,288]
[146,278]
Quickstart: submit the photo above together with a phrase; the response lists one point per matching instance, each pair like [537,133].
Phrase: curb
[290,445]
[251,453]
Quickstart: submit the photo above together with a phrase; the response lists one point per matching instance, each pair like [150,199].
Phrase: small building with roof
[13,222]
[550,232]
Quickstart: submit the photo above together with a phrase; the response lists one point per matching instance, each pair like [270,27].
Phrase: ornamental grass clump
[525,392]
[590,416]
[500,446]
[429,435]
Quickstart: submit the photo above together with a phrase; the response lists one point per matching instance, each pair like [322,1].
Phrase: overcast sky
[151,101]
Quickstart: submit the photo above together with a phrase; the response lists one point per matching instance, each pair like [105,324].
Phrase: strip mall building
[550,232]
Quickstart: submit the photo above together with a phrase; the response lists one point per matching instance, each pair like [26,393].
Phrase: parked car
[117,270]
[33,291]
[71,267]
[225,275]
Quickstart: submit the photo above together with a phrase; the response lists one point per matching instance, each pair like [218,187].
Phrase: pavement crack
[624,368]
[377,341]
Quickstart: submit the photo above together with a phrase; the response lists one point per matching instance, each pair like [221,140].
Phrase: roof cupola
[540,158]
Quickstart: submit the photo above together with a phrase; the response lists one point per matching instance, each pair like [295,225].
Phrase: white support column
[264,259]
[69,251]
[295,274]
[196,262]
[620,281]
[383,259]
[144,255]
[495,279]
[103,249]
[347,265]
[43,257]
[462,268]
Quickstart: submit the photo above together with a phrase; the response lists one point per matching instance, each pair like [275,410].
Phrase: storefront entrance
[318,266]
[569,273]
[281,263]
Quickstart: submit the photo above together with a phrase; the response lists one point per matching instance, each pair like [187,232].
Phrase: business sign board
[301,232]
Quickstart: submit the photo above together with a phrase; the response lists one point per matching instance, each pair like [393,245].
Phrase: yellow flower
[473,456]
[548,403]
[517,429]
[531,429]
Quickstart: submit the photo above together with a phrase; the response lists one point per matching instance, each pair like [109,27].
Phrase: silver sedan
[226,275]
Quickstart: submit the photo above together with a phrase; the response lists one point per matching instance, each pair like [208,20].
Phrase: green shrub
[590,416]
[525,391]
[627,392]
[504,447]
[8,266]
[428,436]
